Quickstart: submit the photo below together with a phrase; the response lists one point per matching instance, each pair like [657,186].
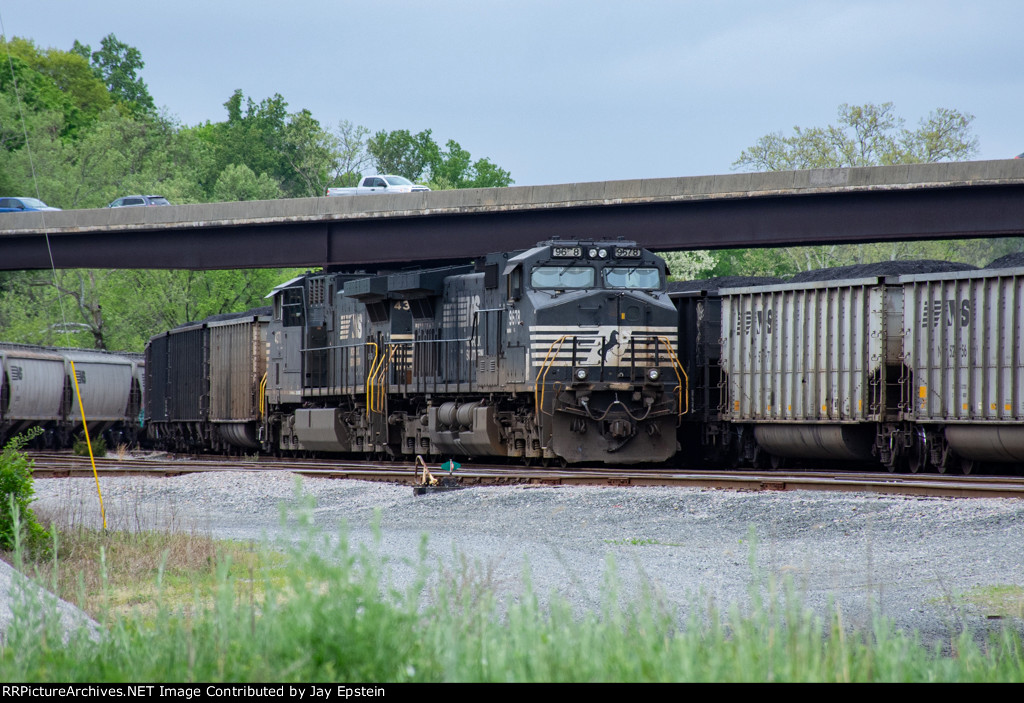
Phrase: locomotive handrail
[421,381]
[263,396]
[539,383]
[369,378]
[377,376]
[677,366]
[381,376]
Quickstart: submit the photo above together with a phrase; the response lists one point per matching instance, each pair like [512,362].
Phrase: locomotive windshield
[637,278]
[562,277]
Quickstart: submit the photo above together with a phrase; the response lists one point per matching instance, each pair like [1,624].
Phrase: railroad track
[61,464]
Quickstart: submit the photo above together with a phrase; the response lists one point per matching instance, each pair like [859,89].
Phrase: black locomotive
[562,352]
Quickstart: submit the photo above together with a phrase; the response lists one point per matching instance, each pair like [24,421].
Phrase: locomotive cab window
[632,277]
[562,277]
[515,283]
[291,307]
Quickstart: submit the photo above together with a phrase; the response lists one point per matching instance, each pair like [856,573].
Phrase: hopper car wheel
[916,462]
[761,459]
[968,466]
[778,462]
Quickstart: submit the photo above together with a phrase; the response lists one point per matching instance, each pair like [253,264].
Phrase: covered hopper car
[37,389]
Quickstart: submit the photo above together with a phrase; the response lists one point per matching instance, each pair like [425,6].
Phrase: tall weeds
[328,611]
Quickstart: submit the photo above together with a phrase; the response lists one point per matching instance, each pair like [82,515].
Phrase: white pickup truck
[379,184]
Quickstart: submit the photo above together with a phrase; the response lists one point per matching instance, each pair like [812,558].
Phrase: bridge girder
[974,199]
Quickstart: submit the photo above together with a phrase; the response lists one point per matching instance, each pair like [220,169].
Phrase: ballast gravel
[923,562]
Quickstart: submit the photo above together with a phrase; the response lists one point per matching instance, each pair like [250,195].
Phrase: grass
[135,573]
[313,608]
[996,602]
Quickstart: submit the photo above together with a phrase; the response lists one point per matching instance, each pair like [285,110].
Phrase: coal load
[1008,262]
[882,268]
[264,311]
[712,285]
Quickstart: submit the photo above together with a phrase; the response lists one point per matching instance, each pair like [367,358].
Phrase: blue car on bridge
[23,205]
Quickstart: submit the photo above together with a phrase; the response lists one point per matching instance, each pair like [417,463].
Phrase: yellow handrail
[369,377]
[381,376]
[263,396]
[538,385]
[678,367]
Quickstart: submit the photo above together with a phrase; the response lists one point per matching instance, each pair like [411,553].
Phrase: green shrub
[99,447]
[16,493]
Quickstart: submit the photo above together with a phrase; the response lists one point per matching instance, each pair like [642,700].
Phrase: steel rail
[57,465]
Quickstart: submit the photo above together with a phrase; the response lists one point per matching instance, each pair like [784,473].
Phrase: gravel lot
[911,557]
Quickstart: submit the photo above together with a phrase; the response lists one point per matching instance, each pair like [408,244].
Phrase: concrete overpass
[925,201]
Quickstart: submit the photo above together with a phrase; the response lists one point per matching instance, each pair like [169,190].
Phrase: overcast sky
[558,92]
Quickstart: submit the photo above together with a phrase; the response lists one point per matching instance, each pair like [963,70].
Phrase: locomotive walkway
[922,201]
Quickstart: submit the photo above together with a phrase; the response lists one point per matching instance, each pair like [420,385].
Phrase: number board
[574,252]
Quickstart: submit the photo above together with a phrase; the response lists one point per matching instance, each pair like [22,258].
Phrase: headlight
[592,252]
[581,374]
[603,253]
[653,374]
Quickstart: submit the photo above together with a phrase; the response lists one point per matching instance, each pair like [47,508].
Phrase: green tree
[50,83]
[352,154]
[115,155]
[486,174]
[312,154]
[238,182]
[122,309]
[864,135]
[253,135]
[117,64]
[402,153]
[454,168]
[753,262]
[688,265]
[418,158]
